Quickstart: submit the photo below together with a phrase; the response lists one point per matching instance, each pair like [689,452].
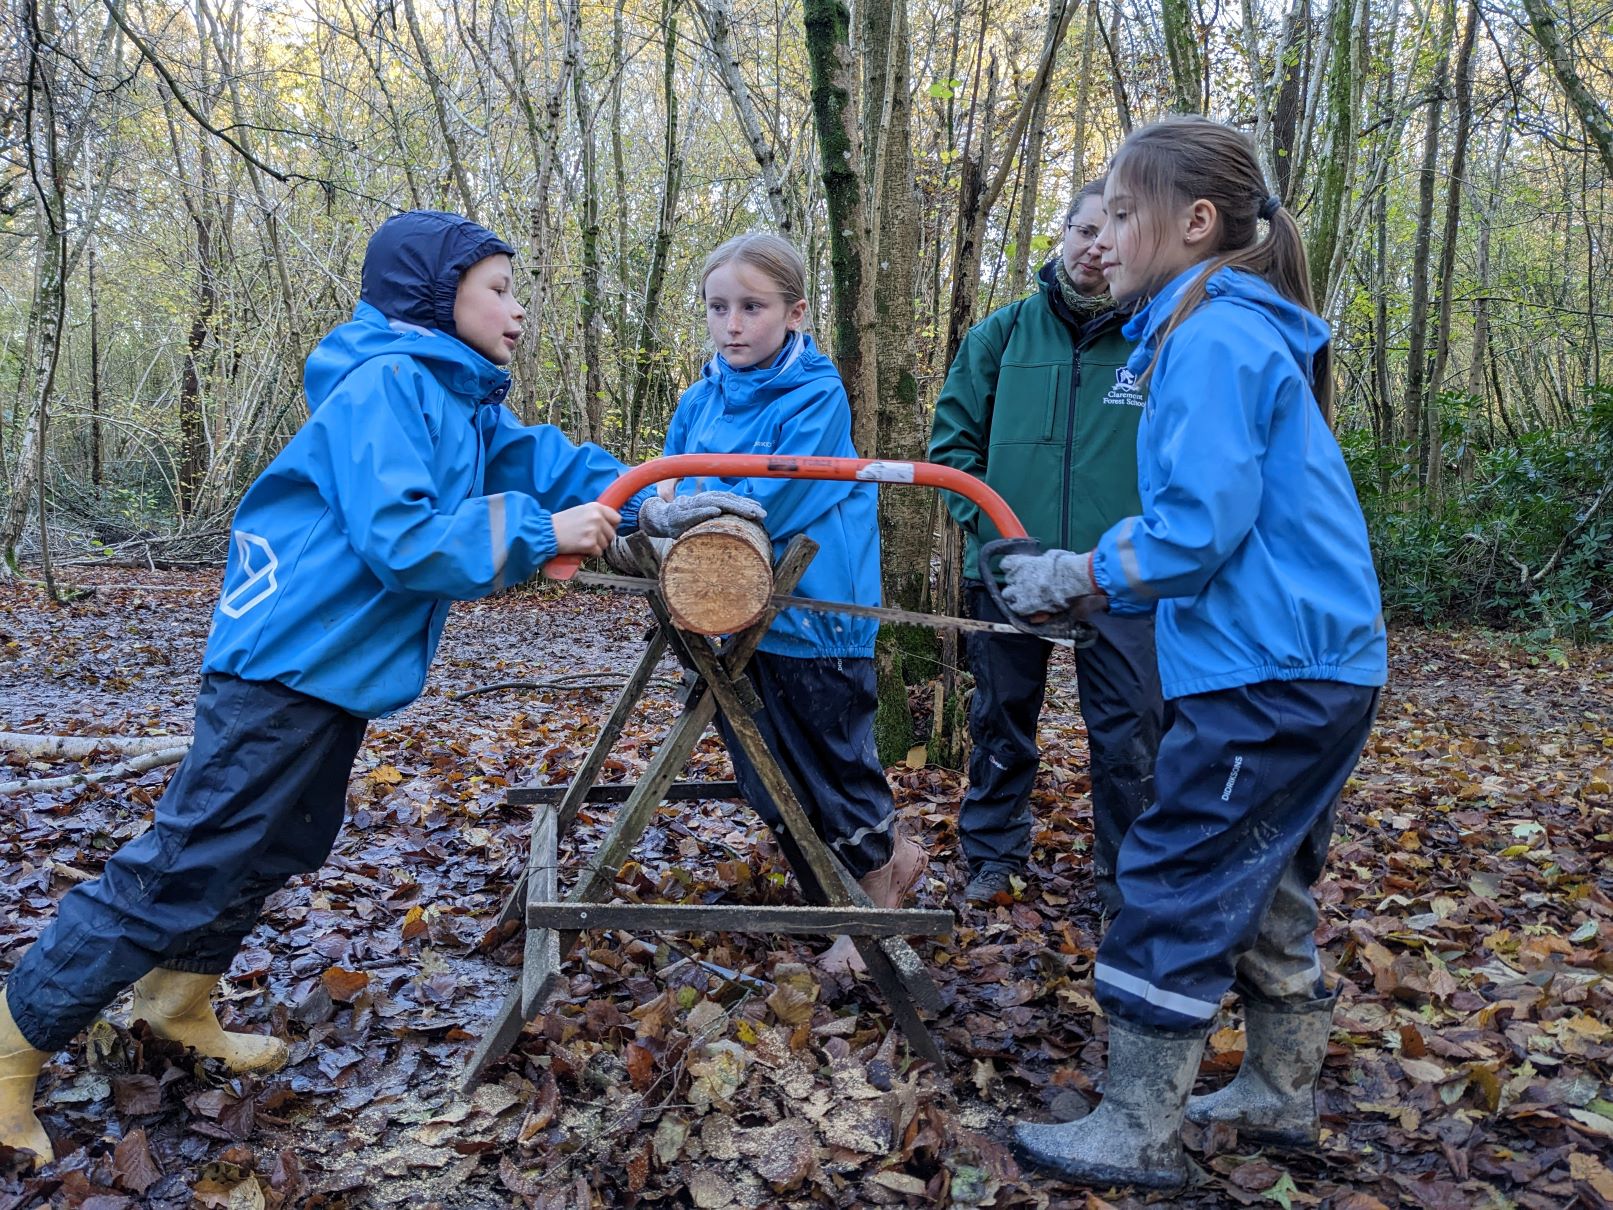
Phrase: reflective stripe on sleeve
[495,530]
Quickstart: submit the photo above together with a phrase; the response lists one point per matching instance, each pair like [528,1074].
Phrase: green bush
[1509,543]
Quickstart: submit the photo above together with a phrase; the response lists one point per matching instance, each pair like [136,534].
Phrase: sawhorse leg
[632,818]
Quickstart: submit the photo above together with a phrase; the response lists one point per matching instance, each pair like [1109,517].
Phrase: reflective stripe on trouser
[1118,681]
[259,798]
[1246,779]
[818,722]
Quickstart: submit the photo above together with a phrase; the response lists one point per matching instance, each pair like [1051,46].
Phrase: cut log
[718,576]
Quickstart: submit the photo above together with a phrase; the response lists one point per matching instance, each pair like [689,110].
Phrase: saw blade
[933,621]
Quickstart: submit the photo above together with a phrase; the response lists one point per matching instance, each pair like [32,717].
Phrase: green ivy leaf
[1282,1192]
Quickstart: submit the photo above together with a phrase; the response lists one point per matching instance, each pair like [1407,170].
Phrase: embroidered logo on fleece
[1124,392]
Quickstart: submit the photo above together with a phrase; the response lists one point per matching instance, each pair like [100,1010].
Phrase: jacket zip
[1069,443]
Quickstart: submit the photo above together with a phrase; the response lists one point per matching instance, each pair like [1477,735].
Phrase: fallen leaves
[1465,910]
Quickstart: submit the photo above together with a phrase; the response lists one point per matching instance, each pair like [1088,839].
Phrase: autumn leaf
[344,985]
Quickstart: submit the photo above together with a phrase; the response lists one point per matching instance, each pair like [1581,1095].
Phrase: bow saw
[1063,628]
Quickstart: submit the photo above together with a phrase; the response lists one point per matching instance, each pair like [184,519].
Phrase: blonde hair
[771,255]
[1181,159]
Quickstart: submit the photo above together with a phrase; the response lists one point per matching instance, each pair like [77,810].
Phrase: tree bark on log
[129,768]
[717,577]
[78,747]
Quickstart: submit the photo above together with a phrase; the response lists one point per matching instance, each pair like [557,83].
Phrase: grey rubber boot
[1134,1136]
[1272,1099]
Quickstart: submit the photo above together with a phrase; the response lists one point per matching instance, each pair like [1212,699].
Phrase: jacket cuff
[631,508]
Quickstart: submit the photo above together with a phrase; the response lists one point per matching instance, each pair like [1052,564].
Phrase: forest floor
[1467,913]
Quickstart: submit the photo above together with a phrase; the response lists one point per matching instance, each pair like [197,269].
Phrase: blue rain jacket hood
[1251,541]
[414,261]
[796,406]
[410,485]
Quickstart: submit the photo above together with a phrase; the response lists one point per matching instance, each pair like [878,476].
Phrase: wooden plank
[683,791]
[588,772]
[699,709]
[541,956]
[897,994]
[741,918]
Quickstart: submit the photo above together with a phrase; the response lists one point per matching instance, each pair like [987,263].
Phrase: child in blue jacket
[410,486]
[1252,551]
[767,390]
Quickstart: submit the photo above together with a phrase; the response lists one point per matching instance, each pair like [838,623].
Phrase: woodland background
[186,189]
[185,194]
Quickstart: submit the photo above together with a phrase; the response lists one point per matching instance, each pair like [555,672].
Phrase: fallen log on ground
[128,768]
[77,747]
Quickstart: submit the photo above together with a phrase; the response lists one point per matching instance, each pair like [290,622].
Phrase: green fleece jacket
[1044,410]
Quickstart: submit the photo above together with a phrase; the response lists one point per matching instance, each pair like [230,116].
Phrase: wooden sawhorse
[715,681]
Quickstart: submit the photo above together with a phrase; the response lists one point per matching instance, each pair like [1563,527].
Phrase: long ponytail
[1184,158]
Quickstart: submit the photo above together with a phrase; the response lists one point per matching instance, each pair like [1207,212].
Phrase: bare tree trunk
[1117,73]
[625,366]
[1083,98]
[1416,369]
[542,127]
[1182,52]
[716,16]
[647,355]
[1598,124]
[972,215]
[192,429]
[1447,254]
[50,287]
[593,411]
[835,111]
[439,104]
[902,430]
[1338,155]
[95,371]
[1288,77]
[1018,275]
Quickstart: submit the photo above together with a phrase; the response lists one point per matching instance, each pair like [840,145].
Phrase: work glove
[1046,583]
[668,518]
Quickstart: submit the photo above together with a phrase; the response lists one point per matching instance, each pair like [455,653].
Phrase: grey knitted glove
[668,518]
[1046,583]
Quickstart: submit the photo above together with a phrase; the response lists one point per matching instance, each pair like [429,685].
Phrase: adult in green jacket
[1040,405]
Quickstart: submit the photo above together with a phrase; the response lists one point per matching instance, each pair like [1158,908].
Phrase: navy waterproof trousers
[1117,679]
[260,797]
[1216,875]
[818,722]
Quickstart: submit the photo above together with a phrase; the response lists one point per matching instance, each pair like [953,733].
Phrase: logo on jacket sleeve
[1124,392]
[258,564]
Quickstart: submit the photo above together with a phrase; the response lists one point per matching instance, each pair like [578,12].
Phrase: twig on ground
[577,681]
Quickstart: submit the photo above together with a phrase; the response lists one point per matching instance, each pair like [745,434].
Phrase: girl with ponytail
[1251,552]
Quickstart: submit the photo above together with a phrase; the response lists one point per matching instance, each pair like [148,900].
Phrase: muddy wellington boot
[1134,1136]
[888,887]
[177,1006]
[20,1065]
[1273,1097]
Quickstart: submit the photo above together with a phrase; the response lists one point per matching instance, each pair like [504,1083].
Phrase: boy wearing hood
[409,486]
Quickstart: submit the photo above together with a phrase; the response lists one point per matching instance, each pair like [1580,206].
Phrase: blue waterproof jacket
[795,406]
[1251,540]
[409,486]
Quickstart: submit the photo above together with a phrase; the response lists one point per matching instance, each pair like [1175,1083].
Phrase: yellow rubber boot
[20,1065]
[177,1005]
